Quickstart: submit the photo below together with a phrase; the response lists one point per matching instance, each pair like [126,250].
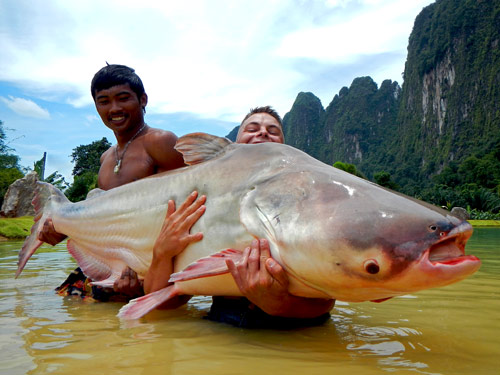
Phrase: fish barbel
[336,235]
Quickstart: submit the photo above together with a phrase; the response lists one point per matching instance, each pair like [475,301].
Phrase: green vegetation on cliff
[437,137]
[450,98]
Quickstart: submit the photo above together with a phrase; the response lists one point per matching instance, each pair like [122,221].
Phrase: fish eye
[371,266]
[433,228]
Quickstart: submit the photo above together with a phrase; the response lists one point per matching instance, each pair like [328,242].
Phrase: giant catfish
[336,235]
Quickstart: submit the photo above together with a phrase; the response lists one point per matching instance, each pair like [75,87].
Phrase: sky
[204,64]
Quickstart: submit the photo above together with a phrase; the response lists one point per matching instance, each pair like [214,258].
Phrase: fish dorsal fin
[199,147]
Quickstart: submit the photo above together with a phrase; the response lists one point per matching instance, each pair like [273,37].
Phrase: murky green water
[451,330]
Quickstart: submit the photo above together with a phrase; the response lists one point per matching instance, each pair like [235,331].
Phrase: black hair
[114,75]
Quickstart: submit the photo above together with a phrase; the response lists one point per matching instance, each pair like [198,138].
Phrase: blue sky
[204,64]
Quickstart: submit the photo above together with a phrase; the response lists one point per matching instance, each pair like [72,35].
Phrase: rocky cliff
[447,109]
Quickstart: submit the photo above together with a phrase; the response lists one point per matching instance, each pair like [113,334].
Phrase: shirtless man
[259,277]
[141,151]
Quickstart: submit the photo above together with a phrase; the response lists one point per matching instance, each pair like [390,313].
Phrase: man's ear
[144,101]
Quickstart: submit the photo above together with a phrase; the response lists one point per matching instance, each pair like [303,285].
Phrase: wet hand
[175,233]
[174,237]
[260,278]
[129,284]
[49,235]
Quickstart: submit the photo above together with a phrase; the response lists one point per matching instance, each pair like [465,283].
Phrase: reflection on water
[451,330]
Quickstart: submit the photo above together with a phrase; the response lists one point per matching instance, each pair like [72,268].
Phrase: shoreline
[485,223]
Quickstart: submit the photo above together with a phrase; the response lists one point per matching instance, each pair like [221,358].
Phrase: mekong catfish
[336,235]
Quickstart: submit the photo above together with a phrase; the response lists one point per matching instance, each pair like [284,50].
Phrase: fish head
[353,240]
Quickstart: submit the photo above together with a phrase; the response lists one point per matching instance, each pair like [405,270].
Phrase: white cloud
[213,58]
[25,107]
[381,26]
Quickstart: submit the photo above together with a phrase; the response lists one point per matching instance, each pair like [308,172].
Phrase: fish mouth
[450,250]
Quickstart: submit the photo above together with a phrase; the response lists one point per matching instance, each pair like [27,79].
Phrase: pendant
[117,167]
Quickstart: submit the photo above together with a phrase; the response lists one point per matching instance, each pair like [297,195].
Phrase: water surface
[450,330]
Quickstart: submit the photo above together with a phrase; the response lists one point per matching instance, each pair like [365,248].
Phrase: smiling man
[263,283]
[261,124]
[140,151]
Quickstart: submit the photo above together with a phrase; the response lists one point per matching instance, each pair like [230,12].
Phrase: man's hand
[174,237]
[175,233]
[49,234]
[129,284]
[264,282]
[260,278]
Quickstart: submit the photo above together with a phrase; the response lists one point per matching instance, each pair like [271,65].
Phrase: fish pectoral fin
[209,266]
[137,308]
[92,266]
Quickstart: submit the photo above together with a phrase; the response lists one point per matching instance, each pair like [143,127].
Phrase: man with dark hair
[265,109]
[261,124]
[140,151]
[115,75]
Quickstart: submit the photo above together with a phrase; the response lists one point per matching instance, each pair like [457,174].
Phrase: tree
[7,159]
[350,168]
[87,164]
[7,177]
[384,179]
[39,166]
[55,178]
[10,170]
[81,186]
[87,157]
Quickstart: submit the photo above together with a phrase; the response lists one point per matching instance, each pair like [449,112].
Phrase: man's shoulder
[159,144]
[155,138]
[160,133]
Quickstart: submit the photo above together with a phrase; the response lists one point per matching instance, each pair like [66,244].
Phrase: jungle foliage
[87,164]
[10,170]
[437,137]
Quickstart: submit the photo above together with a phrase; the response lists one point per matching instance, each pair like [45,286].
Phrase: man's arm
[173,239]
[263,282]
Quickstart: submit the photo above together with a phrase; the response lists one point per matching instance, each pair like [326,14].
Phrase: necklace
[119,160]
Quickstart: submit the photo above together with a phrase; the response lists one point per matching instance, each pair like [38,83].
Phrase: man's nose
[115,106]
[263,133]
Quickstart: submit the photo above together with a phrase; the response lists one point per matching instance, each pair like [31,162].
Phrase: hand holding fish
[263,288]
[129,284]
[175,233]
[264,282]
[174,237]
[49,234]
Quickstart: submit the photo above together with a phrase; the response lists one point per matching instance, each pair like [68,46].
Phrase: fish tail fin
[209,266]
[137,308]
[44,193]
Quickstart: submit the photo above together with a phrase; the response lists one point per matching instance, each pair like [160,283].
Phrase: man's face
[260,128]
[120,108]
